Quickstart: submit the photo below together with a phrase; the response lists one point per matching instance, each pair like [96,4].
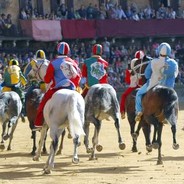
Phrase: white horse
[10,111]
[101,103]
[64,109]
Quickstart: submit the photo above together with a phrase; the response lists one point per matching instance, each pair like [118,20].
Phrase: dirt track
[112,166]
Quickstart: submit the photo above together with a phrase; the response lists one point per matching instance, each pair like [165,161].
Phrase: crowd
[108,10]
[117,53]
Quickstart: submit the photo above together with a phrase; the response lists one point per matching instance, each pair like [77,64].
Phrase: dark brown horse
[159,104]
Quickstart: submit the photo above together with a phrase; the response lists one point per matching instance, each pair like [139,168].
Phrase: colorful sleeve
[49,76]
[148,71]
[77,78]
[23,80]
[84,70]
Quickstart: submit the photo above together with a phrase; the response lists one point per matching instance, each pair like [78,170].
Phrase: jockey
[14,80]
[133,80]
[40,56]
[94,69]
[162,70]
[62,73]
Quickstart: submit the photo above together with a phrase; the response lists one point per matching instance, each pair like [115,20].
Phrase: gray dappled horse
[10,111]
[64,109]
[101,103]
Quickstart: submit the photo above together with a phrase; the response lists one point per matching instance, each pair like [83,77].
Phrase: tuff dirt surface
[112,166]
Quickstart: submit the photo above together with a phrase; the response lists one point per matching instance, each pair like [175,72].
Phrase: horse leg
[11,135]
[155,143]
[86,137]
[76,143]
[2,146]
[132,131]
[117,125]
[175,145]
[41,141]
[33,136]
[147,132]
[44,150]
[59,152]
[54,134]
[160,127]
[95,140]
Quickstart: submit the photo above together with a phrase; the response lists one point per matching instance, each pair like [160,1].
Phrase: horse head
[39,68]
[139,67]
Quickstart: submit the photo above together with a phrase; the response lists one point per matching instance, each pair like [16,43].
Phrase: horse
[65,109]
[101,103]
[160,103]
[138,69]
[10,111]
[33,97]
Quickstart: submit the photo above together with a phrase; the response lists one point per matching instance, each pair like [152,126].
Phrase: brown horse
[138,69]
[159,104]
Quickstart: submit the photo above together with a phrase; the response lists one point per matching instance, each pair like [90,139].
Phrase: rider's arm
[148,71]
[49,76]
[84,71]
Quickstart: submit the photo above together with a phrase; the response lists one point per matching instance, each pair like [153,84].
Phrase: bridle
[37,70]
[138,68]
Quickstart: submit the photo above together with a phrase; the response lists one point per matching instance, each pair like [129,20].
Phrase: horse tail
[75,116]
[171,102]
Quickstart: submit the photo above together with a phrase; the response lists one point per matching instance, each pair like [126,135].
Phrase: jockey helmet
[63,48]
[139,54]
[97,49]
[13,62]
[164,49]
[40,54]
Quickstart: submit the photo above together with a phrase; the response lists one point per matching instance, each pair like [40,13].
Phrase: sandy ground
[113,165]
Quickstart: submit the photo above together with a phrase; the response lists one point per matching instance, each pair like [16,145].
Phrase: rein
[37,72]
[139,66]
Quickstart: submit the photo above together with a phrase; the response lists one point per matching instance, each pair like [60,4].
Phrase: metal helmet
[97,49]
[63,48]
[139,54]
[13,62]
[164,49]
[40,54]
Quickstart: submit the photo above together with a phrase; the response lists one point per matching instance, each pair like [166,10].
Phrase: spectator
[82,12]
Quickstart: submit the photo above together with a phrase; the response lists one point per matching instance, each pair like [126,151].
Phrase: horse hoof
[9,148]
[176,146]
[159,162]
[75,160]
[134,149]
[6,137]
[122,146]
[69,136]
[2,146]
[155,145]
[35,158]
[44,152]
[89,150]
[93,158]
[99,148]
[149,148]
[135,136]
[59,152]
[46,171]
